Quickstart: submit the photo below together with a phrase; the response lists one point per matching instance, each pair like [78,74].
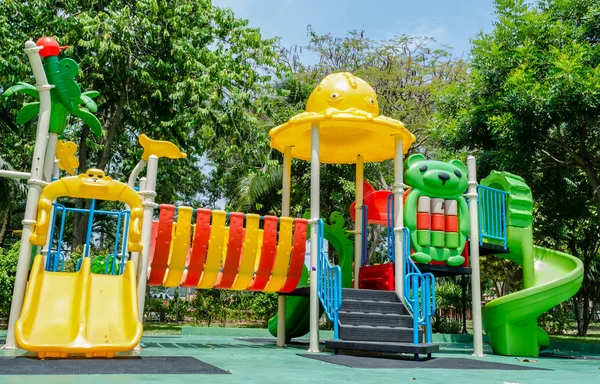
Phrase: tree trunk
[112,123]
[79,219]
[5,221]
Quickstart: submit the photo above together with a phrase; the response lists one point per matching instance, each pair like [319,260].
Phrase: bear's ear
[413,159]
[459,164]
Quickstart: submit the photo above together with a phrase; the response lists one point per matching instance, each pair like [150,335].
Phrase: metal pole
[474,250]
[358,219]
[463,283]
[398,191]
[136,171]
[35,187]
[285,212]
[14,174]
[148,194]
[315,164]
[50,156]
[55,174]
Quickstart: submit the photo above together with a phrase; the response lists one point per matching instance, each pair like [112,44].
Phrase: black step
[375,319]
[368,333]
[384,347]
[369,294]
[368,306]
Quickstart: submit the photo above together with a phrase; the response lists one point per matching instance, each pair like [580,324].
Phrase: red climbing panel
[152,243]
[160,261]
[297,260]
[199,248]
[234,251]
[267,254]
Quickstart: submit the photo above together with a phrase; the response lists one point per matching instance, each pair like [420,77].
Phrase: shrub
[8,269]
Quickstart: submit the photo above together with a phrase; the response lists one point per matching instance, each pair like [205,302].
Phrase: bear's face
[436,178]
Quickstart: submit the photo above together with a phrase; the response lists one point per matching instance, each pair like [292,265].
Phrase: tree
[264,306]
[8,270]
[531,106]
[182,70]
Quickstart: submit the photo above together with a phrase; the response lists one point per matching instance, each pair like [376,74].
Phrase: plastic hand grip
[41,228]
[134,243]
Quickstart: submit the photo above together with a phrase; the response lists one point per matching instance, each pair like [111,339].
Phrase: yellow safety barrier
[215,251]
[249,253]
[282,259]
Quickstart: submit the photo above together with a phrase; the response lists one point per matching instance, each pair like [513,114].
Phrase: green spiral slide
[297,310]
[549,277]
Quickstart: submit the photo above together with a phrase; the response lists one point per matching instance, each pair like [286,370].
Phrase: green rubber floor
[248,363]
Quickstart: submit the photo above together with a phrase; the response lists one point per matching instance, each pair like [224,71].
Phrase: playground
[250,356]
[341,313]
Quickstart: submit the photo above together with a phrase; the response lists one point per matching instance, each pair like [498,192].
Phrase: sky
[450,22]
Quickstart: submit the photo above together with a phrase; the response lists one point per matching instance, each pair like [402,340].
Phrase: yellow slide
[79,312]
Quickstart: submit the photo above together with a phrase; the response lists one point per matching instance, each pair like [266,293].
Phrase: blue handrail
[492,214]
[390,227]
[419,288]
[421,304]
[365,234]
[329,283]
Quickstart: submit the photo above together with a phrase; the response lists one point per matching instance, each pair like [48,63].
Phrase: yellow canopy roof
[346,110]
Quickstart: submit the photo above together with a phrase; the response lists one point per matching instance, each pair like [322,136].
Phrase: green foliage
[531,106]
[556,320]
[264,306]
[445,325]
[8,269]
[505,276]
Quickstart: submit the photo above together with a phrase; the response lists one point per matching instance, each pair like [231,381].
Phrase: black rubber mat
[553,355]
[439,362]
[151,365]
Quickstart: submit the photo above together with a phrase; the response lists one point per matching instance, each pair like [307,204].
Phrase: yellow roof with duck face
[345,108]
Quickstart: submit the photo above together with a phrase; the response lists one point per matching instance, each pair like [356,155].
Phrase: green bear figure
[436,179]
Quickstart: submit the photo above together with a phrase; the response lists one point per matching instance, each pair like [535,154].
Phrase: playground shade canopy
[346,110]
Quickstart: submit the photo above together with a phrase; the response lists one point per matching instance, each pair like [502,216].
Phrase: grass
[162,329]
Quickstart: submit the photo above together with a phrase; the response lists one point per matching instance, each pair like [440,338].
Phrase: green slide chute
[549,277]
[297,310]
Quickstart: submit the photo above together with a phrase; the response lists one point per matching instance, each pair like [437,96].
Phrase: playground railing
[419,288]
[329,283]
[56,256]
[365,234]
[492,214]
[390,227]
[419,292]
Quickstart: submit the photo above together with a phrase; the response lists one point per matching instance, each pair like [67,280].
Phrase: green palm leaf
[88,102]
[91,94]
[90,120]
[28,112]
[21,87]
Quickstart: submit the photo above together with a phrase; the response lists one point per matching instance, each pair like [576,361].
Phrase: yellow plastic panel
[159,148]
[112,315]
[249,252]
[73,313]
[215,251]
[345,108]
[180,247]
[282,259]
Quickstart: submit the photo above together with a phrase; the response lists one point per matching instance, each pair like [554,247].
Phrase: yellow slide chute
[79,313]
